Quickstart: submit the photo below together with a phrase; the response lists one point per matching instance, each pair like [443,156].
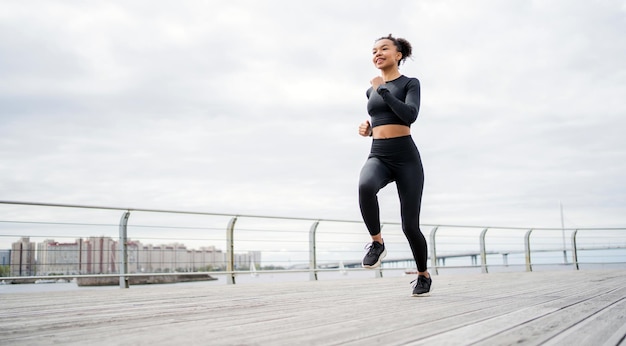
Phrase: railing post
[529,266]
[483,251]
[575,250]
[123,250]
[433,250]
[230,251]
[313,252]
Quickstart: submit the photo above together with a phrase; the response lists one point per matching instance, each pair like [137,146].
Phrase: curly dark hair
[401,44]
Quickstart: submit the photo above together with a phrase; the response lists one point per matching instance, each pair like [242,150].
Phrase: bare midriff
[390,131]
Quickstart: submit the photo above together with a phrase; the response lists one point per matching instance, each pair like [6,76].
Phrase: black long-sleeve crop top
[396,102]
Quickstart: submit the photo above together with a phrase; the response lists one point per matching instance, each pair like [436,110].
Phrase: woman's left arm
[407,110]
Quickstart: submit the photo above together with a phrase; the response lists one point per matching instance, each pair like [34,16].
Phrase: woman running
[393,104]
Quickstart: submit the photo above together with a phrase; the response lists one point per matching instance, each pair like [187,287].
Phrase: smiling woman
[393,104]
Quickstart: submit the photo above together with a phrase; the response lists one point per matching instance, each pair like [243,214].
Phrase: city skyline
[99,255]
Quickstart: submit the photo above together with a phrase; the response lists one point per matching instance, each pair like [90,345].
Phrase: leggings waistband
[393,145]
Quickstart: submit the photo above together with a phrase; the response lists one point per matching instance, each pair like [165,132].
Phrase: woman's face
[385,54]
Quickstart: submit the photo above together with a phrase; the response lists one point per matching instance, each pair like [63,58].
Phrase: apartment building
[176,257]
[5,257]
[245,260]
[23,258]
[58,258]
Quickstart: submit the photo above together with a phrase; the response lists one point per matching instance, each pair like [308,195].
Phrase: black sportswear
[395,160]
[395,102]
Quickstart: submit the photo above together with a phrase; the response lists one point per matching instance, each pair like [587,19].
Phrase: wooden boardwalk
[551,308]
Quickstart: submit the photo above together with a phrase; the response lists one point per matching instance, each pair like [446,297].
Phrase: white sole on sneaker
[377,264]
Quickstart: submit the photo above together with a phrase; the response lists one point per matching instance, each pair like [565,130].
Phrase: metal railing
[496,247]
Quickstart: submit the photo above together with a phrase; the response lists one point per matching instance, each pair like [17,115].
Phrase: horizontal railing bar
[78,206]
[58,223]
[148,210]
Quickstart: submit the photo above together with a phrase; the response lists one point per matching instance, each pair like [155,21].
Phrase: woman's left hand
[376,82]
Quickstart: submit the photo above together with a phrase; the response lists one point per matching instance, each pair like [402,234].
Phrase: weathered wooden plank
[566,316]
[607,327]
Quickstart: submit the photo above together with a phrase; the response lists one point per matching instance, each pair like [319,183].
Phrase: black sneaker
[375,254]
[421,286]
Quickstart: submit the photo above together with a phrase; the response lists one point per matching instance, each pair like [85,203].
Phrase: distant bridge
[473,255]
[441,260]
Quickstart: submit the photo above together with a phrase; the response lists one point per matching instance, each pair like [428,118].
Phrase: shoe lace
[417,282]
[370,248]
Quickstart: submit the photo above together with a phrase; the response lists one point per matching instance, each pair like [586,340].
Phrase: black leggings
[395,159]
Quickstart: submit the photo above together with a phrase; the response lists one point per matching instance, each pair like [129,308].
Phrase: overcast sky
[252,107]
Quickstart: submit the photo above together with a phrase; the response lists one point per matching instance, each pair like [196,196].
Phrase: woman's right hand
[365,129]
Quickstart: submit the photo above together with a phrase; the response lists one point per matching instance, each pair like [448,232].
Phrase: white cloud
[252,107]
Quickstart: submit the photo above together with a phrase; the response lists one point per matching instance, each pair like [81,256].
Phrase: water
[240,279]
[48,287]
